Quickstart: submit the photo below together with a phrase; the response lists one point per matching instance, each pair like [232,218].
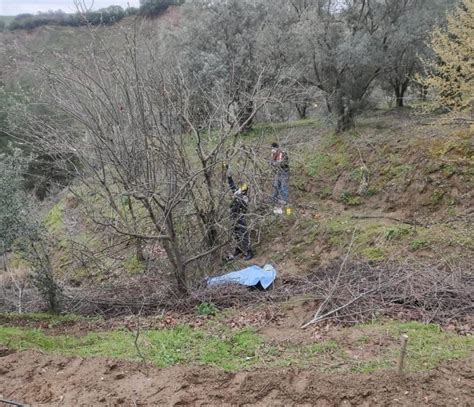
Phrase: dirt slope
[43,380]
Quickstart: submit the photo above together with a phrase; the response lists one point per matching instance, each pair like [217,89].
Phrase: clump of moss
[373,253]
[349,199]
[134,266]
[54,220]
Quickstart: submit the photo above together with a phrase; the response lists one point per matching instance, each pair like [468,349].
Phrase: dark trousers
[241,236]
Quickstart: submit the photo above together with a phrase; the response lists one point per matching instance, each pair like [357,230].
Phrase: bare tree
[150,160]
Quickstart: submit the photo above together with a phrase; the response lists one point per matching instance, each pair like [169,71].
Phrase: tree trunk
[139,249]
[171,247]
[175,256]
[343,111]
[177,263]
[328,104]
[302,108]
[345,121]
[400,89]
[138,242]
[211,236]
[399,97]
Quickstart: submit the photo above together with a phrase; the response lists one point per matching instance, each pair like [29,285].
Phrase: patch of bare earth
[40,379]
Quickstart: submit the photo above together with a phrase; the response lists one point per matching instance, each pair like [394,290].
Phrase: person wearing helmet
[238,211]
[279,163]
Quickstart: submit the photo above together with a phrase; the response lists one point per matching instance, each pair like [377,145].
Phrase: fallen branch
[323,304]
[317,318]
[14,403]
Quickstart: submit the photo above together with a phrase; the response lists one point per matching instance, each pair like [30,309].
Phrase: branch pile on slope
[360,292]
[347,293]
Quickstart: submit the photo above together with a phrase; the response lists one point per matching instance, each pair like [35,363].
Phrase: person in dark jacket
[238,211]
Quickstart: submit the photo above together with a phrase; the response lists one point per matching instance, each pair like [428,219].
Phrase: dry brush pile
[347,293]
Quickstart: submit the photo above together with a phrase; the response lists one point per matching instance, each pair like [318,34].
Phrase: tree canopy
[452,73]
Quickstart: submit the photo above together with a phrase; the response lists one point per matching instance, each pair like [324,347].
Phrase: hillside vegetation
[399,187]
[117,144]
[120,142]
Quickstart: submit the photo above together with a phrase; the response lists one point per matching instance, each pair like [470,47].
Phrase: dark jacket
[240,201]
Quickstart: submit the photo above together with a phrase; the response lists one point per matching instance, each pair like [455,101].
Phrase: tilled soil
[47,380]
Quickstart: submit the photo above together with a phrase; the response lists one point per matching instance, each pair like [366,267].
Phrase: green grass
[229,350]
[54,220]
[206,308]
[428,346]
[133,265]
[43,317]
[349,199]
[419,244]
[217,346]
[314,123]
[271,130]
[321,347]
[373,253]
[397,232]
[375,240]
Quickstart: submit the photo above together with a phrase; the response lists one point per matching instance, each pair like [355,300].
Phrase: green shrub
[348,199]
[133,265]
[418,244]
[206,309]
[395,233]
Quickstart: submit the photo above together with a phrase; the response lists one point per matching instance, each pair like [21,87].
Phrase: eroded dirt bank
[41,379]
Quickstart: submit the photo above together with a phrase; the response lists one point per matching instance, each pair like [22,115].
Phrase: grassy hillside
[400,186]
[376,242]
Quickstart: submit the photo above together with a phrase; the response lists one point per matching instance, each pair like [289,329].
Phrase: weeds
[54,220]
[52,319]
[236,350]
[418,244]
[349,199]
[133,265]
[396,233]
[206,308]
[230,350]
[373,253]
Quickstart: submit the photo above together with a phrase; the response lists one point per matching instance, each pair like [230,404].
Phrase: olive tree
[21,232]
[13,200]
[344,48]
[451,74]
[411,23]
[221,49]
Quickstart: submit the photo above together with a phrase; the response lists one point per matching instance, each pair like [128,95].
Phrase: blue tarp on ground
[249,277]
